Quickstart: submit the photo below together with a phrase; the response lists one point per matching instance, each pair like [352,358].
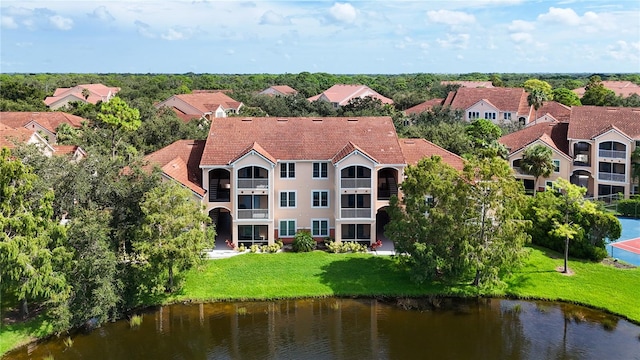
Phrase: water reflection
[357,329]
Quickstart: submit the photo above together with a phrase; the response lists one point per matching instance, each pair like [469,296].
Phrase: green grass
[320,274]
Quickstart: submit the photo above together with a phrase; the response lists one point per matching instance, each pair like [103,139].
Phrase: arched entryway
[382,219]
[221,218]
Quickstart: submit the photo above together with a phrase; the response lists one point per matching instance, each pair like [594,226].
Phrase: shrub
[629,207]
[303,242]
[254,248]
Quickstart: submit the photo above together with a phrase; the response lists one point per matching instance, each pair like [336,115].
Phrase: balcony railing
[253,213]
[356,213]
[355,183]
[616,154]
[611,177]
[253,183]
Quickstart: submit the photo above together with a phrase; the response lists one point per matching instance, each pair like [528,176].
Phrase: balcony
[616,154]
[253,213]
[355,183]
[253,183]
[355,213]
[611,177]
[582,160]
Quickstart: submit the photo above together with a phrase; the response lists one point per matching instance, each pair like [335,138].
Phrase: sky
[351,37]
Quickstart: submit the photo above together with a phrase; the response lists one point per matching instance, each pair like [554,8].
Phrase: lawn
[320,274]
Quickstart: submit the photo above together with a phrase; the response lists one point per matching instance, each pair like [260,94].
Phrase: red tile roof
[553,134]
[342,94]
[209,101]
[97,92]
[559,111]
[469,84]
[180,161]
[349,148]
[621,88]
[425,106]
[48,120]
[281,89]
[588,122]
[301,138]
[415,150]
[9,136]
[505,99]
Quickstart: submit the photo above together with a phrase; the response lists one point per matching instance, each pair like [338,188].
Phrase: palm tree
[537,161]
[536,98]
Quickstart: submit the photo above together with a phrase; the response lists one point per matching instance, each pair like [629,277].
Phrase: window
[320,198]
[320,227]
[556,165]
[356,231]
[319,170]
[287,228]
[474,114]
[507,116]
[288,199]
[287,170]
[549,185]
[490,115]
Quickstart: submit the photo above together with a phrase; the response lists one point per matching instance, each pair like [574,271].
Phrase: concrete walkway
[224,252]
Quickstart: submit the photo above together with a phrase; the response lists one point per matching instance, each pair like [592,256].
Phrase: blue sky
[350,37]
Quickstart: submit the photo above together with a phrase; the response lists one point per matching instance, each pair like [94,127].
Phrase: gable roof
[179,161]
[206,102]
[342,94]
[588,122]
[280,90]
[301,138]
[415,150]
[97,92]
[349,149]
[559,111]
[621,88]
[425,106]
[469,84]
[504,99]
[552,134]
[48,120]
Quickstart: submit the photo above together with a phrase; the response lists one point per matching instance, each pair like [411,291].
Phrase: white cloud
[24,44]
[231,52]
[521,37]
[61,22]
[560,16]
[622,50]
[271,18]
[521,26]
[450,17]
[101,13]
[173,34]
[345,13]
[144,29]
[7,22]
[458,41]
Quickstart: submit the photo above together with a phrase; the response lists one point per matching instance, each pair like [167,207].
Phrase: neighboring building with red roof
[201,104]
[267,178]
[180,161]
[469,84]
[12,137]
[423,107]
[551,111]
[500,105]
[86,93]
[45,123]
[593,148]
[621,88]
[279,90]
[340,95]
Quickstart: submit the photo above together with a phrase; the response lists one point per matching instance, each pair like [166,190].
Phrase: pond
[356,329]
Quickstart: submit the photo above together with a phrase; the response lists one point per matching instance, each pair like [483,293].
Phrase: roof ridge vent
[247,119]
[283,119]
[316,119]
[352,119]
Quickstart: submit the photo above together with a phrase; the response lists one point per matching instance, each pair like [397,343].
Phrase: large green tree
[596,94]
[173,234]
[566,97]
[536,84]
[484,135]
[32,250]
[459,225]
[119,118]
[537,161]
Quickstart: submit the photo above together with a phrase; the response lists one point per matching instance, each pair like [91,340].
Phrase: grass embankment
[319,274]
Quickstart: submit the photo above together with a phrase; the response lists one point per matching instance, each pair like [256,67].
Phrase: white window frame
[320,233]
[319,192]
[323,167]
[288,199]
[287,232]
[556,164]
[288,167]
[490,115]
[506,116]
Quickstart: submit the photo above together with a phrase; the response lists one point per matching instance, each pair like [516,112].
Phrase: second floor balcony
[604,176]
